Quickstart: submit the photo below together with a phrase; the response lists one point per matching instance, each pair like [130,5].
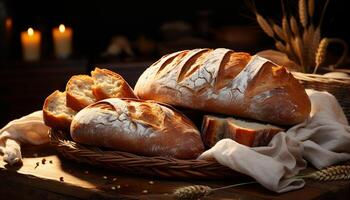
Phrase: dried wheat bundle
[299,37]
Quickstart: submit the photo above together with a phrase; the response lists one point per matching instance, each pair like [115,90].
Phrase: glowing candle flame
[30,31]
[61,28]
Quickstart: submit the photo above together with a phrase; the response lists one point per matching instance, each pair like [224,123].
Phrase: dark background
[231,24]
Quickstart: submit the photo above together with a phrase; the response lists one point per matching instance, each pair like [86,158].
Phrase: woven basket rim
[157,166]
[320,78]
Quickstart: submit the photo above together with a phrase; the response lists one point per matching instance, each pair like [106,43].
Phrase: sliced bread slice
[79,92]
[55,112]
[108,84]
[248,133]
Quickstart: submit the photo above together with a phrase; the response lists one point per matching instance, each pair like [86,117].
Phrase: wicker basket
[339,87]
[139,165]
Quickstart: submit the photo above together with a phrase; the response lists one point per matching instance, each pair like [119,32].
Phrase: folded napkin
[323,140]
[28,129]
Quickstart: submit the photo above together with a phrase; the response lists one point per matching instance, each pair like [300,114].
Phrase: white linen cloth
[323,140]
[28,129]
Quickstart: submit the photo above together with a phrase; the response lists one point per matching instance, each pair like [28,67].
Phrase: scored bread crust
[56,115]
[137,126]
[121,89]
[251,134]
[226,82]
[75,86]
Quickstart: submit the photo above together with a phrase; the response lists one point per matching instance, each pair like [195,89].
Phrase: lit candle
[62,37]
[31,44]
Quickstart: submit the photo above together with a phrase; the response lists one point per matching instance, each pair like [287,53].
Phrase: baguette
[248,133]
[55,112]
[226,82]
[137,126]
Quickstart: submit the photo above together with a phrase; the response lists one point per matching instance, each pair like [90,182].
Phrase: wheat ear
[294,26]
[286,28]
[279,32]
[311,8]
[265,26]
[303,13]
[197,191]
[340,172]
[321,53]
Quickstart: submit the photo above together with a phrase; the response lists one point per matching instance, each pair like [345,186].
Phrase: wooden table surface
[35,180]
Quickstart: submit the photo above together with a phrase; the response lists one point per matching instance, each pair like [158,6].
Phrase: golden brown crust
[124,89]
[226,82]
[59,121]
[137,126]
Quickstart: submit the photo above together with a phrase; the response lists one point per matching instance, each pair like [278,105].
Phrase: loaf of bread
[83,90]
[137,126]
[248,133]
[55,112]
[226,82]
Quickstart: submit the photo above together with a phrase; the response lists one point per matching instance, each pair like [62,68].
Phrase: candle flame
[61,28]
[30,31]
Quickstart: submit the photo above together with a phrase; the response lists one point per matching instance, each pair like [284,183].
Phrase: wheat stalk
[266,27]
[340,172]
[303,13]
[192,192]
[311,8]
[198,191]
[321,53]
[279,32]
[286,28]
[294,26]
[280,47]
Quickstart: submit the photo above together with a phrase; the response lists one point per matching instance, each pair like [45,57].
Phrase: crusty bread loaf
[251,134]
[227,82]
[108,84]
[55,112]
[79,92]
[137,126]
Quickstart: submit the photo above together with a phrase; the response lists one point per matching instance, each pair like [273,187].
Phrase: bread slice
[108,84]
[79,92]
[55,112]
[248,133]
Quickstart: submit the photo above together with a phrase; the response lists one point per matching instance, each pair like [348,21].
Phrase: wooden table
[59,178]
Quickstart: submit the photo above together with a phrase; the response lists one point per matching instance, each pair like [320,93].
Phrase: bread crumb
[145,191]
[151,182]
[105,177]
[36,165]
